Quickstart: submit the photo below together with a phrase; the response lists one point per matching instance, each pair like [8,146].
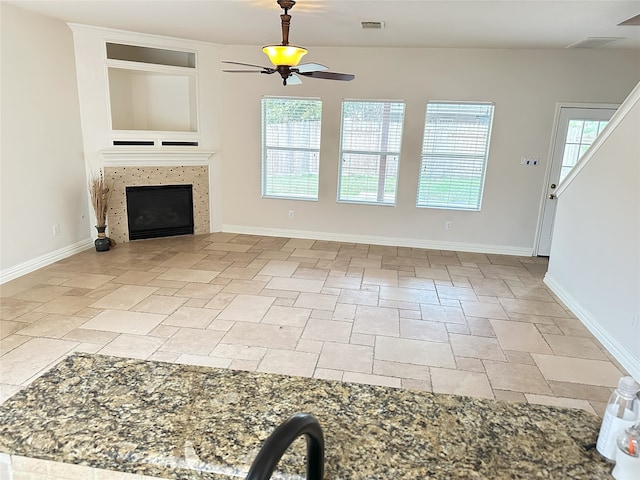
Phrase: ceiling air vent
[372,25]
[635,21]
[595,42]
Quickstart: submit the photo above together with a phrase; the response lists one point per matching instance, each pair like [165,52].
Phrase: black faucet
[283,436]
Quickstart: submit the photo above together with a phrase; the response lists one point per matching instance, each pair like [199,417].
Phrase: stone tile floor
[448,322]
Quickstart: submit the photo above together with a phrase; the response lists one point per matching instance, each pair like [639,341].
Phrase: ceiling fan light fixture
[288,55]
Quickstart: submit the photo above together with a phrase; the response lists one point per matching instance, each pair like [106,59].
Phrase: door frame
[552,146]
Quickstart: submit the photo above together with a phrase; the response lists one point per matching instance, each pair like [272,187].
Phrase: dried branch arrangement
[100,193]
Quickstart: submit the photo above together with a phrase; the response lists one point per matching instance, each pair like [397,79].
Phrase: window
[290,147]
[370,151]
[580,135]
[455,149]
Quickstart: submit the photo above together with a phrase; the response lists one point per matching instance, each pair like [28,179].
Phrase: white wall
[524,84]
[595,253]
[42,171]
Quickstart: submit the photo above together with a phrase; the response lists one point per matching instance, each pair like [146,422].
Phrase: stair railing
[279,441]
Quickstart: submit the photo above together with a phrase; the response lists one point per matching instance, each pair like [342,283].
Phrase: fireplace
[159,211]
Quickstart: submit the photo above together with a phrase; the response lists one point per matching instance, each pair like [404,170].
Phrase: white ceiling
[417,23]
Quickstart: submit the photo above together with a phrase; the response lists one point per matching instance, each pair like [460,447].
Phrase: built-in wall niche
[152,89]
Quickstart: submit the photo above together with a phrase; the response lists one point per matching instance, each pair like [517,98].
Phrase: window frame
[265,149]
[380,153]
[459,166]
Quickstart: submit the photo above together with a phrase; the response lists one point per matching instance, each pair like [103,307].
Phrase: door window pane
[580,136]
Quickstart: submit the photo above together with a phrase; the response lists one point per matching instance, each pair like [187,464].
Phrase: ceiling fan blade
[329,75]
[311,67]
[244,71]
[293,79]
[248,65]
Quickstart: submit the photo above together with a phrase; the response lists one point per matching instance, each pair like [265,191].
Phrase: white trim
[130,157]
[626,358]
[390,241]
[617,117]
[44,260]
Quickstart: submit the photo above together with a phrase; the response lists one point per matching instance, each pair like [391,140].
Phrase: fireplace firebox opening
[159,211]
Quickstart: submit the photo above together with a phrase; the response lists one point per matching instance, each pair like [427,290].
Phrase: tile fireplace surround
[122,177]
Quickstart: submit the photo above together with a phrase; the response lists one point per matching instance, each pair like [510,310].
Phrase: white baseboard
[372,240]
[625,357]
[44,260]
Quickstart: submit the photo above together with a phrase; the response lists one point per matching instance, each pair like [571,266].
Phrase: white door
[576,129]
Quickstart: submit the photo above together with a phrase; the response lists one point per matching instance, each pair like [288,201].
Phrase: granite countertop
[188,422]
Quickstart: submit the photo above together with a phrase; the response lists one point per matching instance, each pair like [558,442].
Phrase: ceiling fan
[285,58]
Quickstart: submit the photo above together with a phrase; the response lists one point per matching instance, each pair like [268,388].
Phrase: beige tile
[362,339]
[295,284]
[484,310]
[316,301]
[401,370]
[508,396]
[53,326]
[90,336]
[532,307]
[480,327]
[138,323]
[368,379]
[470,364]
[188,275]
[579,347]
[199,290]
[327,330]
[159,304]
[203,360]
[417,352]
[408,295]
[262,335]
[438,313]
[42,293]
[516,377]
[519,336]
[341,281]
[352,358]
[133,346]
[378,276]
[25,361]
[8,327]
[519,357]
[291,316]
[238,352]
[298,243]
[191,317]
[124,298]
[227,247]
[423,330]
[358,297]
[577,370]
[576,390]
[88,280]
[10,342]
[456,293]
[183,260]
[306,253]
[490,287]
[247,308]
[531,293]
[328,374]
[286,362]
[279,268]
[476,347]
[135,278]
[474,384]
[65,305]
[193,341]
[377,321]
[559,402]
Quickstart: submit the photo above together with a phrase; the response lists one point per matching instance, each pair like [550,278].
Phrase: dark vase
[102,243]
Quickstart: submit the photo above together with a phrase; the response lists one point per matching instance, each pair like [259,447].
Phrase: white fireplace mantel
[151,157]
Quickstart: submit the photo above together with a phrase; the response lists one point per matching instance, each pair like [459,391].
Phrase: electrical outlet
[530,161]
[290,214]
[56,229]
[448,225]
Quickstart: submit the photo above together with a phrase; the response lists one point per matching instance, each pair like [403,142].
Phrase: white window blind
[370,151]
[290,147]
[455,149]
